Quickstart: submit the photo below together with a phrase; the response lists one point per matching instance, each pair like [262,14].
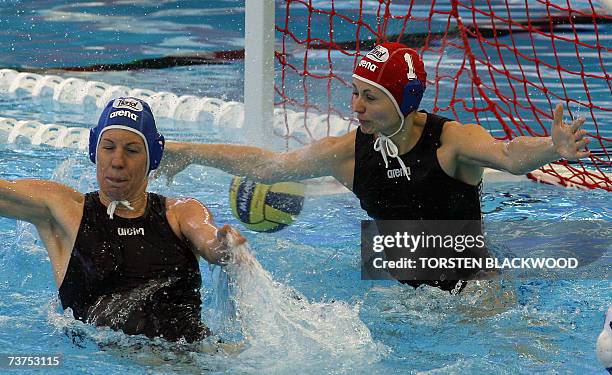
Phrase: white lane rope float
[227,114]
[294,126]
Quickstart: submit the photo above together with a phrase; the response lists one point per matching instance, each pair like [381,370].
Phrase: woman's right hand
[230,238]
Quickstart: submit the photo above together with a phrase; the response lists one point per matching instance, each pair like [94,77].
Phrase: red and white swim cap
[396,70]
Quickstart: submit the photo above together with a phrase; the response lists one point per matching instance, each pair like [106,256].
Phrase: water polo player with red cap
[402,163]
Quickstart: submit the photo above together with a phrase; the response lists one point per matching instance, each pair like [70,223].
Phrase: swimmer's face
[374,109]
[121,164]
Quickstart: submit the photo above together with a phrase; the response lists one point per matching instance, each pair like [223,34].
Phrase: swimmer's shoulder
[64,193]
[65,204]
[177,209]
[59,219]
[336,147]
[334,156]
[177,206]
[454,132]
[57,197]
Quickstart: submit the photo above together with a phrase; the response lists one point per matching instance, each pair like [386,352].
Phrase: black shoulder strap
[91,208]
[434,127]
[157,204]
[156,218]
[362,139]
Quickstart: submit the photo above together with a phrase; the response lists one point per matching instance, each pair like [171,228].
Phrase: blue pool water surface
[317,316]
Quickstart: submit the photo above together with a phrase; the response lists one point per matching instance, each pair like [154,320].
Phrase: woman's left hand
[569,139]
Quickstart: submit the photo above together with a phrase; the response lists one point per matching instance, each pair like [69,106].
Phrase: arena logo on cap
[129,114]
[128,103]
[378,54]
[368,65]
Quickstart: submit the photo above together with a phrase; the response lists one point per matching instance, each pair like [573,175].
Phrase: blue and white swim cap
[134,115]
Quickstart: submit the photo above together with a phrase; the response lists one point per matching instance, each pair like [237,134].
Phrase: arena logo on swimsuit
[130,231]
[395,173]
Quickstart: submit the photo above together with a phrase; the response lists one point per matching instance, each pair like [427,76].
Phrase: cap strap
[385,146]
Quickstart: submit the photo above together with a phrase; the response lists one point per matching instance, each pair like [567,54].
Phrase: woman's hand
[229,238]
[568,139]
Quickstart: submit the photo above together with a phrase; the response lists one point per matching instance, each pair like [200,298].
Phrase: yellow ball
[266,208]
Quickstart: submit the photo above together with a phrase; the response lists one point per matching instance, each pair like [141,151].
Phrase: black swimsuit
[430,194]
[134,275]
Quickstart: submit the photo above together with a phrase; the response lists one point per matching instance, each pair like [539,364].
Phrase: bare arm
[198,227]
[31,200]
[474,145]
[321,158]
[54,209]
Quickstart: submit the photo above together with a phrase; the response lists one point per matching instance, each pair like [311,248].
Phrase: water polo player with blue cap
[135,116]
[123,257]
[402,163]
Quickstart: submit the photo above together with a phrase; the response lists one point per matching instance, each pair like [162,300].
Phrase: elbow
[511,163]
[518,168]
[515,169]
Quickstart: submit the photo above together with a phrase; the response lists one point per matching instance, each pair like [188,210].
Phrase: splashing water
[275,327]
[278,322]
[272,328]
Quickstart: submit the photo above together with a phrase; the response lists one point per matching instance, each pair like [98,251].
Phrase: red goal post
[503,66]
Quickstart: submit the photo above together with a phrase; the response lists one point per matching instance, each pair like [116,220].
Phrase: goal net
[503,65]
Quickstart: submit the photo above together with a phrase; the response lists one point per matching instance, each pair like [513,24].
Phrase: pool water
[547,325]
[306,310]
